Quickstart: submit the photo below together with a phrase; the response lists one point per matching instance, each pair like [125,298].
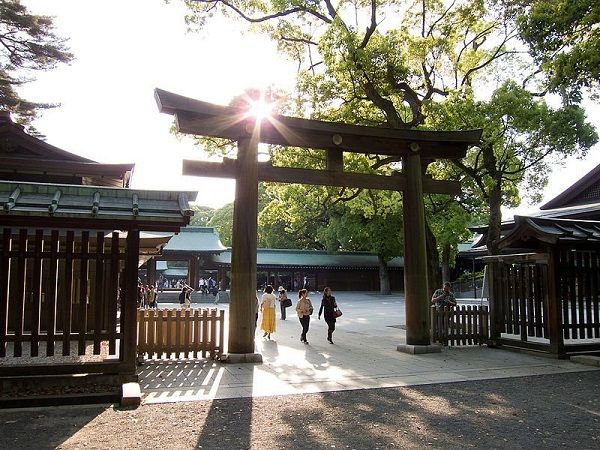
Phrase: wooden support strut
[266,172]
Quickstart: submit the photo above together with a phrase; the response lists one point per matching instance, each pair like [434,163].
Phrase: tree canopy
[27,44]
[429,64]
[564,38]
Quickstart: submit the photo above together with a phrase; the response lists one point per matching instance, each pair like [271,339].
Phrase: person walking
[267,306]
[328,306]
[284,301]
[304,309]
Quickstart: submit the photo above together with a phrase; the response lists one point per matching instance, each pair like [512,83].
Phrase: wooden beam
[206,119]
[266,172]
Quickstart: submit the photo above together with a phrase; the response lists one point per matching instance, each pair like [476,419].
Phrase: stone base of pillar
[419,349]
[238,358]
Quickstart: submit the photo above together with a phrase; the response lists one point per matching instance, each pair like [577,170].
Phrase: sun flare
[260,109]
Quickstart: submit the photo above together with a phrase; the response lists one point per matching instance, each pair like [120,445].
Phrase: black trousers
[305,321]
[330,328]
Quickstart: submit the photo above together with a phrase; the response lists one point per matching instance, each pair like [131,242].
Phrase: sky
[125,49]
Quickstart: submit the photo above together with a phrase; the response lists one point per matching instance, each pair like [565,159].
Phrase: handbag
[287,303]
[337,313]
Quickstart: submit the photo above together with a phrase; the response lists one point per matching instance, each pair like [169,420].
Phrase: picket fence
[460,325]
[180,333]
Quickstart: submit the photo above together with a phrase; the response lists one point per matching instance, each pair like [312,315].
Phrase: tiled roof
[101,204]
[551,231]
[312,258]
[195,239]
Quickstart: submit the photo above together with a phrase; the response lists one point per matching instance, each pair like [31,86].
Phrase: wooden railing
[460,325]
[180,333]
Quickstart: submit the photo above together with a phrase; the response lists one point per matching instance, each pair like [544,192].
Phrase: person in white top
[267,306]
[304,309]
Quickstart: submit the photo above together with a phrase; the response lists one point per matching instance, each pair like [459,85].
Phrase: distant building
[197,252]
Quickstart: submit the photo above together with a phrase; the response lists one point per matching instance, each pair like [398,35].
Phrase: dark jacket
[328,304]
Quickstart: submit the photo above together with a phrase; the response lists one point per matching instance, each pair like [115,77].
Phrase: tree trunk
[384,277]
[433,260]
[446,263]
[494,202]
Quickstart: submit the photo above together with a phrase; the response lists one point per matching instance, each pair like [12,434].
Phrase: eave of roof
[102,205]
[574,190]
[196,240]
[292,259]
[551,231]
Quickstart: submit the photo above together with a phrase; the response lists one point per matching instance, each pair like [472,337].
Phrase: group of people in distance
[147,297]
[304,309]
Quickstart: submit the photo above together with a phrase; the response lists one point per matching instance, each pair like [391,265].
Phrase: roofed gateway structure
[72,238]
[417,149]
[26,158]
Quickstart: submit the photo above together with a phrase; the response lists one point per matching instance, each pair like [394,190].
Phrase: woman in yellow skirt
[267,306]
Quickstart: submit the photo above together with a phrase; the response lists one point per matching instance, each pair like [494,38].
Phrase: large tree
[27,44]
[395,63]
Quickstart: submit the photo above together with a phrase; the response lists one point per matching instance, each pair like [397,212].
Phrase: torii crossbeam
[417,148]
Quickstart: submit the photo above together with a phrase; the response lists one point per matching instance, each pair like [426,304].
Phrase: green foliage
[222,221]
[202,215]
[28,44]
[522,136]
[564,38]
[420,67]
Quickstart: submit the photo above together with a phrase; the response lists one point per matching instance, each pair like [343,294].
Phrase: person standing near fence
[304,309]
[151,297]
[267,306]
[328,306]
[443,297]
[185,297]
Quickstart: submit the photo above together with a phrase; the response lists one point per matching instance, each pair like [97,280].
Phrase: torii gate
[417,149]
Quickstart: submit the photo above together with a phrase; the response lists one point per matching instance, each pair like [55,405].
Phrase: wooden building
[204,255]
[70,250]
[26,158]
[544,286]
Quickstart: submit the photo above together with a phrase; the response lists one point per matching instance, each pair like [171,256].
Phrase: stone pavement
[364,356]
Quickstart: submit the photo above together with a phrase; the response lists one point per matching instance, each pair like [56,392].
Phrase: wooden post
[243,251]
[129,305]
[415,253]
[554,292]
[193,271]
[495,300]
[151,274]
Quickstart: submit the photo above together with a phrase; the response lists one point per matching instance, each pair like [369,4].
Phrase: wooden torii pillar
[413,146]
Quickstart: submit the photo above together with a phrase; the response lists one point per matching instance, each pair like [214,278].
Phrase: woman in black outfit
[328,305]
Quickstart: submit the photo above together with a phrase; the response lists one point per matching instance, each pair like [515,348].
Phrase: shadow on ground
[548,411]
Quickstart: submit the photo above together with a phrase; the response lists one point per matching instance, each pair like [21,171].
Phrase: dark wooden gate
[59,291]
[546,302]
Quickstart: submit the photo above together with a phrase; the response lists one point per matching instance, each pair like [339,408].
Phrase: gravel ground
[550,411]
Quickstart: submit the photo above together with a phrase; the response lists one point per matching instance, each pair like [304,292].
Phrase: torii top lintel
[207,119]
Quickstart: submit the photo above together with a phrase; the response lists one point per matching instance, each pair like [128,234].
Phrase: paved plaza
[364,356]
[465,397]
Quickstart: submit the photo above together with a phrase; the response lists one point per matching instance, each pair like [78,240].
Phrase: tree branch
[372,26]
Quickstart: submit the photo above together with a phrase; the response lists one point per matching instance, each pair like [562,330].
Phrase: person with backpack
[284,301]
